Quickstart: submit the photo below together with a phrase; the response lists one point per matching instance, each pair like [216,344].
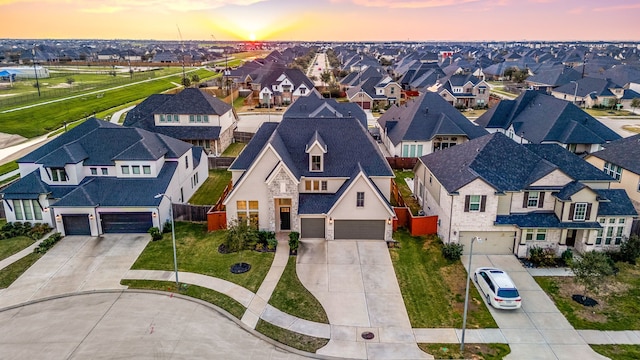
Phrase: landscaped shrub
[542,256]
[452,251]
[47,243]
[294,241]
[264,236]
[155,233]
[14,229]
[567,256]
[240,236]
[272,244]
[630,249]
[167,227]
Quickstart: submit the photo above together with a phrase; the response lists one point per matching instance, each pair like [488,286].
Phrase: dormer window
[58,174]
[316,163]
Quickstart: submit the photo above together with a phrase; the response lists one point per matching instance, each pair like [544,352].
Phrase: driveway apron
[356,284]
[537,330]
[77,263]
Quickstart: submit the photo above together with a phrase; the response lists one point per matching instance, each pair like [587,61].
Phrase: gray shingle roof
[618,203]
[314,106]
[543,220]
[426,117]
[570,163]
[569,190]
[623,152]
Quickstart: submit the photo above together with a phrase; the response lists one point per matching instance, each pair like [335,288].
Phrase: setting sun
[252,37]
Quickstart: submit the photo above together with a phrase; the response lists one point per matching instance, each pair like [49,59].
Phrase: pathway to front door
[356,284]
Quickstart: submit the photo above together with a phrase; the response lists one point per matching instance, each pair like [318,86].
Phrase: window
[612,170]
[186,162]
[162,119]
[176,118]
[27,210]
[474,203]
[105,171]
[393,90]
[303,91]
[248,211]
[315,185]
[307,185]
[607,239]
[125,169]
[580,212]
[192,118]
[205,118]
[360,199]
[58,174]
[146,169]
[323,186]
[541,234]
[316,163]
[535,234]
[618,238]
[532,200]
[94,171]
[135,169]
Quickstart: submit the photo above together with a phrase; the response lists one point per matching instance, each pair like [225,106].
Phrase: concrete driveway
[77,263]
[356,284]
[537,330]
[127,325]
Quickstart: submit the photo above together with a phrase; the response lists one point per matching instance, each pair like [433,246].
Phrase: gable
[556,178]
[375,207]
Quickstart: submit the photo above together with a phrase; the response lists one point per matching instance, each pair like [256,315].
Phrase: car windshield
[508,293]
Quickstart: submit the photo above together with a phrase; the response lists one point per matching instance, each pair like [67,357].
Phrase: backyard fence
[242,136]
[396,195]
[186,212]
[400,163]
[220,162]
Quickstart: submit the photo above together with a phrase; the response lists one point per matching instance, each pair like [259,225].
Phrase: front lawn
[211,296]
[608,112]
[471,351]
[197,252]
[298,341]
[293,298]
[9,274]
[411,202]
[13,245]
[212,189]
[617,307]
[433,288]
[8,167]
[618,352]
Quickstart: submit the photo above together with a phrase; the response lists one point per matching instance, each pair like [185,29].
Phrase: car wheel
[488,299]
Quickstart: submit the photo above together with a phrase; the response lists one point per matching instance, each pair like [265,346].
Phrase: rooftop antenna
[182,45]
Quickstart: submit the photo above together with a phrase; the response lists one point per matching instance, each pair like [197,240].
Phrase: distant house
[315,106]
[537,118]
[284,87]
[621,160]
[375,92]
[463,91]
[102,178]
[520,196]
[548,79]
[423,125]
[589,92]
[192,115]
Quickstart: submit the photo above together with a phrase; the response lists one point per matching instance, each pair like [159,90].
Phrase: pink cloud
[618,7]
[407,4]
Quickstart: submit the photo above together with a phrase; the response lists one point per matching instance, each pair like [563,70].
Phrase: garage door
[359,229]
[312,228]
[133,222]
[493,242]
[76,224]
[366,105]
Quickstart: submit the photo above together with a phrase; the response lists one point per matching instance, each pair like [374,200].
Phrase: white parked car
[498,288]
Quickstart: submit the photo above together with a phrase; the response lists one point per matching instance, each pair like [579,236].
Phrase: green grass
[618,352]
[211,296]
[293,298]
[9,274]
[617,309]
[433,289]
[298,341]
[11,246]
[405,191]
[212,189]
[197,252]
[234,149]
[41,119]
[471,351]
[238,102]
[608,112]
[8,167]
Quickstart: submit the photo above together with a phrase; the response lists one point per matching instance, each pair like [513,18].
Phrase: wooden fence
[635,227]
[242,136]
[417,225]
[186,212]
[400,163]
[220,162]
[396,195]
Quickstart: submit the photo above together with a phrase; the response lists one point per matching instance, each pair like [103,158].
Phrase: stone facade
[226,138]
[282,186]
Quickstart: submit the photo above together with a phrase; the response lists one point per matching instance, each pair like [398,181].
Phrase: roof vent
[426,110]
[349,113]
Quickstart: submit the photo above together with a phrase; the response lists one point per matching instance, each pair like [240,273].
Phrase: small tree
[591,270]
[635,103]
[195,79]
[186,82]
[70,81]
[630,249]
[325,76]
[239,236]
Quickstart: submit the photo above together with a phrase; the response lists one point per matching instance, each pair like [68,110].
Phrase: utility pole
[35,70]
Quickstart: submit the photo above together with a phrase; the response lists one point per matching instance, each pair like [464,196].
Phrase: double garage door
[493,242]
[131,222]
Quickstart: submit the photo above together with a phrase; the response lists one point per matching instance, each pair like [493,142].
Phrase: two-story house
[375,93]
[621,160]
[284,87]
[103,178]
[324,177]
[423,125]
[192,115]
[537,118]
[463,91]
[517,196]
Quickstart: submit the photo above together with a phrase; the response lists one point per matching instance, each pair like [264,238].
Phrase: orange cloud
[112,6]
[407,4]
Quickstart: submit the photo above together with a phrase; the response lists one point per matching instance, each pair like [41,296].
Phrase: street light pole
[35,70]
[173,237]
[466,296]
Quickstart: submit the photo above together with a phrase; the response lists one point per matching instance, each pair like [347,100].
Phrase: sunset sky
[339,20]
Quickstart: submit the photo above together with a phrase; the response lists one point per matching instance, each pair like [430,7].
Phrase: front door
[571,237]
[285,218]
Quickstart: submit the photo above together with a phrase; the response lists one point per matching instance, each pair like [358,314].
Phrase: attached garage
[76,224]
[359,229]
[130,222]
[493,242]
[312,228]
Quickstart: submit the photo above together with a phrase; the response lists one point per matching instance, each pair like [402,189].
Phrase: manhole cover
[368,335]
